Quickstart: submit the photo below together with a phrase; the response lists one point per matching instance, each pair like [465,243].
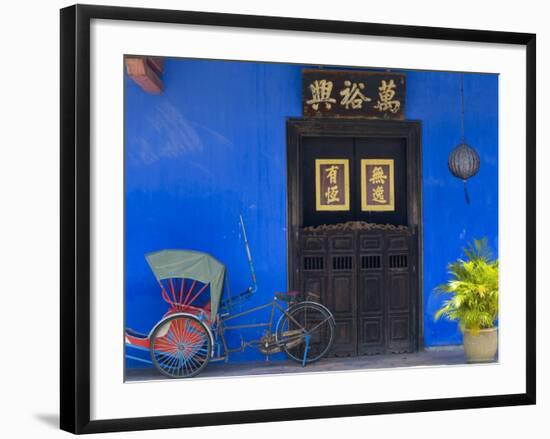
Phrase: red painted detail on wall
[146,72]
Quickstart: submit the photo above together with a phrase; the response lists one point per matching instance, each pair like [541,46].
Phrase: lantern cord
[466,193]
[462,106]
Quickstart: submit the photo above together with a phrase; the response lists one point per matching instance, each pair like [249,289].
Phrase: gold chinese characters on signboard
[352,93]
[332,184]
[377,185]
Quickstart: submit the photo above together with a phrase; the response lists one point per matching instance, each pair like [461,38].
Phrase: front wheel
[306,332]
[180,346]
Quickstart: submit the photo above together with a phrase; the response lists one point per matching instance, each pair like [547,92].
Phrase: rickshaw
[193,331]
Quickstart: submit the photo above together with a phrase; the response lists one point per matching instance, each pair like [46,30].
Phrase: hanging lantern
[463,159]
[463,164]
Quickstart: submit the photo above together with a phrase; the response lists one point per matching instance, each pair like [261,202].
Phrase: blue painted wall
[212,146]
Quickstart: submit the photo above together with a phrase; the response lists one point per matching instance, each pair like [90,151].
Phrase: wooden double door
[368,276]
[367,280]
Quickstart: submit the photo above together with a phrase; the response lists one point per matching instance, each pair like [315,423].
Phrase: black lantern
[463,159]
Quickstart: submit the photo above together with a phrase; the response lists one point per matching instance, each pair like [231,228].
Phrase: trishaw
[193,330]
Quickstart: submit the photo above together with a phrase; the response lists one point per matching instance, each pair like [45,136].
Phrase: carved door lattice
[366,278]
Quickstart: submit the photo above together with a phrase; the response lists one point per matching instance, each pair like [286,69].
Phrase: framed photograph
[276,218]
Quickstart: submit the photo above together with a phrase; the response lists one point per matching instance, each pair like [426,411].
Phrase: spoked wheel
[180,346]
[306,332]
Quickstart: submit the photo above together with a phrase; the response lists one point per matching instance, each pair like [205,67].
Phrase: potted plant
[474,301]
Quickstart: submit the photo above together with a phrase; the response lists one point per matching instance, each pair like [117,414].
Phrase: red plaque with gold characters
[377,185]
[332,184]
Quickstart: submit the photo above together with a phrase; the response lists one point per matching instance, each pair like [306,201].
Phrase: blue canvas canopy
[167,264]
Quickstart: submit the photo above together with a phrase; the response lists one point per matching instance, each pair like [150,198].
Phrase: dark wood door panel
[397,242]
[341,243]
[342,302]
[384,148]
[313,244]
[313,265]
[331,147]
[345,341]
[371,241]
[398,292]
[399,329]
[371,336]
[371,294]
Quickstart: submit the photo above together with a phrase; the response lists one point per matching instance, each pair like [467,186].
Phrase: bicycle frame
[221,327]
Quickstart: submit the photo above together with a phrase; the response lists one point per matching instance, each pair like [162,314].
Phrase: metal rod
[319,324]
[249,255]
[182,283]
[250,325]
[189,292]
[165,296]
[272,315]
[198,294]
[172,290]
[248,311]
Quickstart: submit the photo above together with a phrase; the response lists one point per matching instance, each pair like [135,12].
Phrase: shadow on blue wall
[212,146]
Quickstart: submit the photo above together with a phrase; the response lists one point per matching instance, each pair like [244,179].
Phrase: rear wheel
[180,346]
[303,321]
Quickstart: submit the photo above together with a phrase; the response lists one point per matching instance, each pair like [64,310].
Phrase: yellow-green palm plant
[474,288]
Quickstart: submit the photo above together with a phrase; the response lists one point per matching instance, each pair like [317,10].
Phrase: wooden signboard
[332,184]
[377,185]
[349,93]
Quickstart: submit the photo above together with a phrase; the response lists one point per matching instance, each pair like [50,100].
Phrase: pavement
[438,356]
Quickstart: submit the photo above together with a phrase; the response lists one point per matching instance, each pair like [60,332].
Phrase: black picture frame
[75,217]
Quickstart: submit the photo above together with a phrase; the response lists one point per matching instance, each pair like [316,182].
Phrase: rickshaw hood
[202,267]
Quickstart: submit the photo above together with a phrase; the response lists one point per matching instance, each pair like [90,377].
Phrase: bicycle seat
[287,296]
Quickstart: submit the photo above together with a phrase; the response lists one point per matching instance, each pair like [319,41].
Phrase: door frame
[410,130]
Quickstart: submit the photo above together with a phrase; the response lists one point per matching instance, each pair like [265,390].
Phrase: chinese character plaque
[332,184]
[377,185]
[349,93]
